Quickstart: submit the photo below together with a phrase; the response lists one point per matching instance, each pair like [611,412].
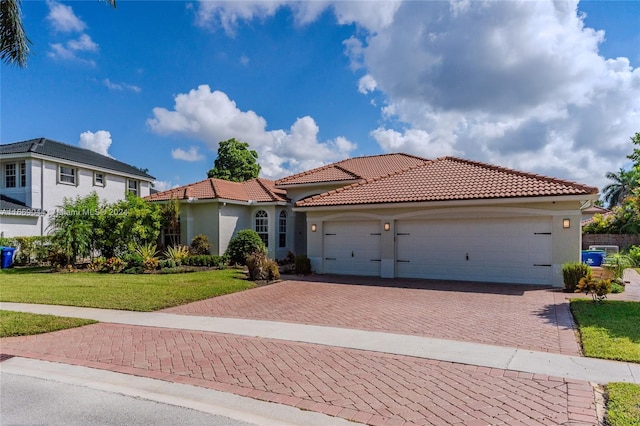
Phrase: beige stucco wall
[565,242]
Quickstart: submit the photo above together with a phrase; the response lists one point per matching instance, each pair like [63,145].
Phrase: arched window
[282,229]
[262,226]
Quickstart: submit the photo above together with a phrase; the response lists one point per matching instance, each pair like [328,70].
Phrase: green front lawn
[609,330]
[623,404]
[142,292]
[25,324]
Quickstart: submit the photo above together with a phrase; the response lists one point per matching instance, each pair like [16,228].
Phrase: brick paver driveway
[526,317]
[369,387]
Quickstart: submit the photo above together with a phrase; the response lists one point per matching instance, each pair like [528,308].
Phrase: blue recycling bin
[593,257]
[7,257]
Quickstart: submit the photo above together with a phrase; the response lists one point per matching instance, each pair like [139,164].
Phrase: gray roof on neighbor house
[50,148]
[7,203]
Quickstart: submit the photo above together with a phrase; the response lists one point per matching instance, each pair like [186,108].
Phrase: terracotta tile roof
[260,190]
[446,179]
[354,169]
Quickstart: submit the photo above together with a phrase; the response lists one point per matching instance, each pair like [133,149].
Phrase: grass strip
[623,404]
[25,324]
[609,330]
[141,292]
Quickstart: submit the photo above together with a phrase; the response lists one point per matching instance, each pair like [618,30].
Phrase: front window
[10,175]
[282,229]
[262,226]
[67,175]
[132,186]
[23,174]
[98,179]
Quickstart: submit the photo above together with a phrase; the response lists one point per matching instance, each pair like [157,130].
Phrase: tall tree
[14,43]
[235,162]
[635,156]
[624,182]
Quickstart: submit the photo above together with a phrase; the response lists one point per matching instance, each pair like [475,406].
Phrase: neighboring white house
[36,175]
[398,215]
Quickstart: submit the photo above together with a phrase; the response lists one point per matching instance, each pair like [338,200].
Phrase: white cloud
[212,117]
[82,44]
[121,86]
[190,155]
[163,185]
[521,84]
[63,19]
[99,141]
[366,84]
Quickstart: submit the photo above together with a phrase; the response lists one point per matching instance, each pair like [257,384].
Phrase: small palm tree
[624,182]
[14,43]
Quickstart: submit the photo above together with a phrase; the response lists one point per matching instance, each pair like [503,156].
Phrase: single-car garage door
[352,248]
[515,250]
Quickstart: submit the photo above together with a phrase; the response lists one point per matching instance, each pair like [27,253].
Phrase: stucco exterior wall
[44,191]
[565,242]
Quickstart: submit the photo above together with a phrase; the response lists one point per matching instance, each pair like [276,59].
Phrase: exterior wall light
[387,226]
[566,223]
[314,228]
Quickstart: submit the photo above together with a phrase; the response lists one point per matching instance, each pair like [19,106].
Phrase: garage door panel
[499,249]
[352,248]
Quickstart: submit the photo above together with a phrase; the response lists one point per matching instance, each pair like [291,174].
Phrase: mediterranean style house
[37,174]
[398,215]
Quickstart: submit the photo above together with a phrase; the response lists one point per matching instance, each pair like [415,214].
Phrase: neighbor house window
[67,175]
[282,229]
[262,226]
[132,186]
[98,179]
[10,175]
[23,174]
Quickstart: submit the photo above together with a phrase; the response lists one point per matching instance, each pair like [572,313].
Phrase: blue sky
[537,86]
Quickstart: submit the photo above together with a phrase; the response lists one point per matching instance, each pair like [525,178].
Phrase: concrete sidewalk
[510,359]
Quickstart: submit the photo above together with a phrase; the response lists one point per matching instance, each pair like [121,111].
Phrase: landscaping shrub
[133,260]
[31,250]
[617,263]
[148,254]
[261,268]
[634,254]
[303,265]
[200,244]
[596,287]
[177,253]
[244,244]
[572,273]
[616,288]
[167,263]
[205,260]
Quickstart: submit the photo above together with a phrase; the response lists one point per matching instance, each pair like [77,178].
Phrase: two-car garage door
[516,250]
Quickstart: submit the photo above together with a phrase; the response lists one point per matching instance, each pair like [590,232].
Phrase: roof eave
[457,203]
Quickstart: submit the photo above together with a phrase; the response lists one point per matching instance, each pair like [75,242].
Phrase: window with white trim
[98,179]
[67,175]
[23,174]
[262,226]
[132,186]
[282,229]
[10,175]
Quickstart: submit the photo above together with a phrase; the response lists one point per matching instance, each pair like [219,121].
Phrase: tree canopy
[235,162]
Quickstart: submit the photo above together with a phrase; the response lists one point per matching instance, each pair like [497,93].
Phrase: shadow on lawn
[26,270]
[421,284]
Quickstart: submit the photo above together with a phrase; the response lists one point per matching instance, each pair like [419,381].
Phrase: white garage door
[352,248]
[512,250]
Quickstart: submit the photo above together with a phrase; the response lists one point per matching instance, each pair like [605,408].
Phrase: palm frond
[14,44]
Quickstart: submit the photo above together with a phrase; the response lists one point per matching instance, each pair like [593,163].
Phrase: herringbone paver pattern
[508,315]
[374,388]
